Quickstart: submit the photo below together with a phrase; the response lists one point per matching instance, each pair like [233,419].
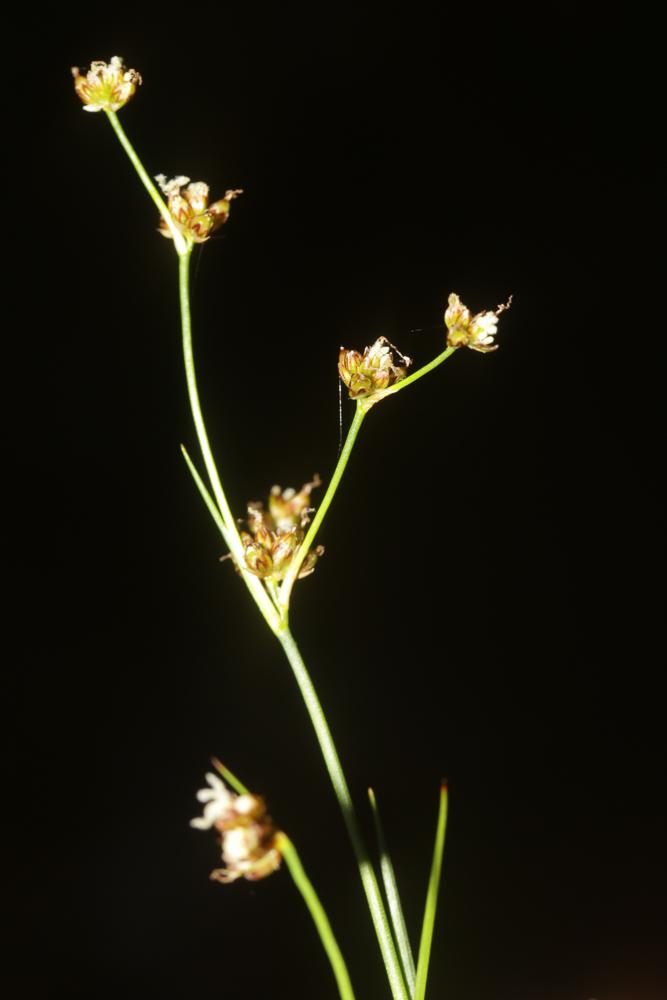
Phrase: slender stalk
[363,406]
[305,887]
[253,584]
[333,765]
[304,548]
[320,919]
[368,401]
[424,370]
[193,392]
[180,242]
[393,899]
[184,249]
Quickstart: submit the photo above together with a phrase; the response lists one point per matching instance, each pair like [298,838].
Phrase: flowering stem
[179,242]
[232,538]
[405,382]
[333,765]
[193,393]
[305,887]
[286,848]
[305,546]
[184,249]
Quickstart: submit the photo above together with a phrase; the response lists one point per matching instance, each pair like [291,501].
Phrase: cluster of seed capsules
[274,535]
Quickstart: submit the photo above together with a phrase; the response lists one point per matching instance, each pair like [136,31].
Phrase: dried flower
[190,210]
[373,371]
[476,332]
[275,535]
[106,86]
[246,830]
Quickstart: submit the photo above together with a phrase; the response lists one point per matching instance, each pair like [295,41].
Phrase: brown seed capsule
[371,372]
[189,208]
[276,534]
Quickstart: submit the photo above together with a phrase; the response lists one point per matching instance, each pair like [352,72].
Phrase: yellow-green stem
[424,370]
[255,587]
[337,776]
[180,242]
[304,548]
[305,887]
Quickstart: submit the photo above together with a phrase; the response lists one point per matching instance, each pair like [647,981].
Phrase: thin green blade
[394,900]
[431,898]
[205,495]
[230,778]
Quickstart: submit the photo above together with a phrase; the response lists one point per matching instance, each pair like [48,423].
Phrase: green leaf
[393,899]
[431,898]
[230,778]
[205,495]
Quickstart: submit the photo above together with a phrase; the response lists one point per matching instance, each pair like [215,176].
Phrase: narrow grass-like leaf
[230,778]
[320,919]
[205,495]
[431,898]
[394,900]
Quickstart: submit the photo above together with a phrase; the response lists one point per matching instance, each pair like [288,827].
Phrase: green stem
[304,548]
[333,765]
[180,242]
[305,887]
[193,393]
[232,537]
[369,401]
[184,249]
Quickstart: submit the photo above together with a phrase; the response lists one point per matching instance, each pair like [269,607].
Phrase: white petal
[200,823]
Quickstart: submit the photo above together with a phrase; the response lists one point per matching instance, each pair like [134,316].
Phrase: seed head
[476,332]
[275,535]
[246,832]
[370,372]
[106,86]
[190,210]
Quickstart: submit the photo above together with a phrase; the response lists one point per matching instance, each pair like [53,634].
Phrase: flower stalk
[253,849]
[317,912]
[304,548]
[342,791]
[275,553]
[231,534]
[179,242]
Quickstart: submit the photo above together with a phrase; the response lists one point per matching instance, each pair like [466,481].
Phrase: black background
[488,606]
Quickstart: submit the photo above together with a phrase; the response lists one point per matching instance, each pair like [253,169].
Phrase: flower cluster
[367,373]
[190,210]
[476,332]
[247,832]
[106,86]
[275,534]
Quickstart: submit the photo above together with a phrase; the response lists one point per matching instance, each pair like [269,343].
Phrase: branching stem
[337,776]
[304,548]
